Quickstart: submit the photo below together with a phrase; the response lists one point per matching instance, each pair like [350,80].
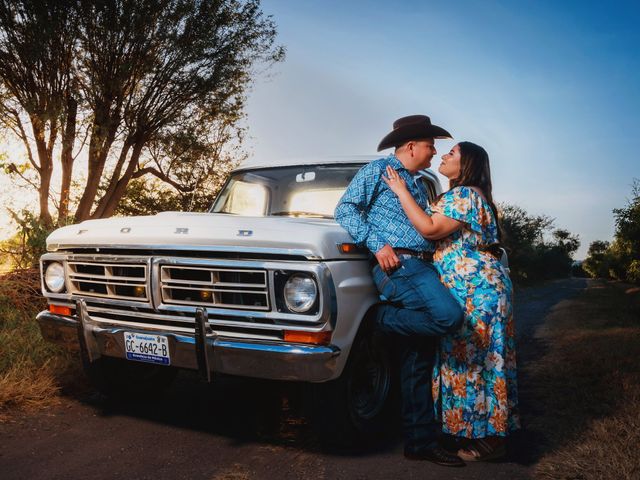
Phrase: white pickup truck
[266,284]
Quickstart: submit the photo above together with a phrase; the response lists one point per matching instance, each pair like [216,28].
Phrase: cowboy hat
[413,127]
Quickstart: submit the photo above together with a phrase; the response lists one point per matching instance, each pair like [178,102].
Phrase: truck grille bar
[125,281]
[213,286]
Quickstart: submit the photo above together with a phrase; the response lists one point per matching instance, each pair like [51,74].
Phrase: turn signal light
[348,248]
[314,338]
[60,310]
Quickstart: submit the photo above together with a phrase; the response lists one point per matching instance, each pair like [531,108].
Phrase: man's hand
[387,259]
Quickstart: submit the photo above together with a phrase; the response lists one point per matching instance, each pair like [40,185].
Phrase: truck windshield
[300,191]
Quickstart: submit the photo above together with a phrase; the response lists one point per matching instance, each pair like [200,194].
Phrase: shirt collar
[395,163]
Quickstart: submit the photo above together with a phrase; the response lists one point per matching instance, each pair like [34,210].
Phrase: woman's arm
[432,227]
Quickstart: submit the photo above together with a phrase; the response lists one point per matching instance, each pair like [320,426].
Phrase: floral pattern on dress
[475,375]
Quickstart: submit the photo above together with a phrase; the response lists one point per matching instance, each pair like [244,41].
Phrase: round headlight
[54,277]
[300,293]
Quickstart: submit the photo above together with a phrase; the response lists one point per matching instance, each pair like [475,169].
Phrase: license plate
[146,347]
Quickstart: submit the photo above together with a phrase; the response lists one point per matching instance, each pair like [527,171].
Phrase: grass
[586,386]
[31,370]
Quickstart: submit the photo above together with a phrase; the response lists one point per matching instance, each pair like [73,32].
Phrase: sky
[550,89]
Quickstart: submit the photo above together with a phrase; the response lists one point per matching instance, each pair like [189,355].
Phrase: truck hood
[311,237]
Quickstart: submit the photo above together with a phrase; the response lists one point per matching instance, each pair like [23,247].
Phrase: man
[404,274]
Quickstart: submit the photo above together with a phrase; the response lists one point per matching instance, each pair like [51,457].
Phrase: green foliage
[620,259]
[633,272]
[146,196]
[564,241]
[628,220]
[187,167]
[23,250]
[532,256]
[138,77]
[598,260]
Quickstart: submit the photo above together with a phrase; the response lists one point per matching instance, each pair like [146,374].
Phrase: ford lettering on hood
[312,237]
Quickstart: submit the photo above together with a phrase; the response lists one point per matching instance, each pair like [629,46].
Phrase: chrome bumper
[202,351]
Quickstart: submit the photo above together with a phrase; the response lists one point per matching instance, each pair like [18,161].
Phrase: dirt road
[237,430]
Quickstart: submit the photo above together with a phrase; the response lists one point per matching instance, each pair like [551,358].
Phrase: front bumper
[202,351]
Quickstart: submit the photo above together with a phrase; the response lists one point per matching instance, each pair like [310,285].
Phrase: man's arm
[352,209]
[352,212]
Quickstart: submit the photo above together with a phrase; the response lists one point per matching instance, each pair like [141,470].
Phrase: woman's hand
[395,183]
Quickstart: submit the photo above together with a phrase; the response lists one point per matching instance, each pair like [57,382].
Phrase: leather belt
[426,256]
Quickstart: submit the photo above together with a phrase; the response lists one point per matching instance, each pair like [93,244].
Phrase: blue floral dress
[475,376]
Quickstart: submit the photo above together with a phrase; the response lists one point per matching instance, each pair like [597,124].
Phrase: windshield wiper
[299,213]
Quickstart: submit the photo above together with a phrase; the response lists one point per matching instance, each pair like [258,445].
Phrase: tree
[23,250]
[565,241]
[521,233]
[124,82]
[597,247]
[521,229]
[619,259]
[531,255]
[624,251]
[598,261]
[627,234]
[37,41]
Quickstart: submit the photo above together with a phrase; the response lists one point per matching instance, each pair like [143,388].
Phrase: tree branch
[22,135]
[157,173]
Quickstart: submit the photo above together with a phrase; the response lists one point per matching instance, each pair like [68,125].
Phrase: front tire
[355,408]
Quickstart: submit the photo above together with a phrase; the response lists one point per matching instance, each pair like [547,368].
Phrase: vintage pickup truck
[266,284]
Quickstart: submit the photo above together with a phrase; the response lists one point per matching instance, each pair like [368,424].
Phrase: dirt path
[235,430]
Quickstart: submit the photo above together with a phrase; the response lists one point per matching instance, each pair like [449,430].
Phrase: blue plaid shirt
[372,213]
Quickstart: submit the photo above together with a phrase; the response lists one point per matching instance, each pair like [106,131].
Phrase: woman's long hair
[475,172]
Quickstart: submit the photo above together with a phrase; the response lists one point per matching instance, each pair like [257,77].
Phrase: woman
[475,376]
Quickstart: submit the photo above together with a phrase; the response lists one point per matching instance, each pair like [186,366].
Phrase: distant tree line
[536,249]
[620,258]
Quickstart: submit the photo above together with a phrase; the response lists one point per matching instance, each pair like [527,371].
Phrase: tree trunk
[121,186]
[115,177]
[102,136]
[46,169]
[66,158]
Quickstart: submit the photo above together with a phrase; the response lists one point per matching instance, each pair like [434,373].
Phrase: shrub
[23,250]
[536,250]
[620,259]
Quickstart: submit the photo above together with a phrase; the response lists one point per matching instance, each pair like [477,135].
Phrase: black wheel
[354,409]
[115,377]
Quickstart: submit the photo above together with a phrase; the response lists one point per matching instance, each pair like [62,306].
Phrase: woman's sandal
[481,450]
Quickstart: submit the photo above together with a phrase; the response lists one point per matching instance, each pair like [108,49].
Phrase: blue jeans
[421,310]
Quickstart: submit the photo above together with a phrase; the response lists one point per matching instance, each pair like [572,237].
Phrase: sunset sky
[550,89]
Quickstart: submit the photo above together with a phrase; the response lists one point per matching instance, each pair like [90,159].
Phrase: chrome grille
[126,281]
[213,286]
